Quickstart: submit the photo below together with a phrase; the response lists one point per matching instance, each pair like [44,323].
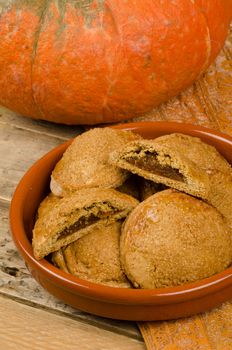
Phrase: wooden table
[28,314]
[30,318]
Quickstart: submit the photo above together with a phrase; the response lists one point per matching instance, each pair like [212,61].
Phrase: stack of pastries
[127,212]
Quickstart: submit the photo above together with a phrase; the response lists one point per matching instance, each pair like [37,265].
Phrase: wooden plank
[29,328]
[60,131]
[16,282]
[19,149]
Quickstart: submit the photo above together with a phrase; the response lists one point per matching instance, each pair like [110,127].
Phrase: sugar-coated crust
[85,162]
[201,153]
[220,195]
[95,257]
[47,204]
[172,239]
[69,209]
[197,182]
[208,174]
[218,170]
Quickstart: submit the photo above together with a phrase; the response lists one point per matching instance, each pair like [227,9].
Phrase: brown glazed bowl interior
[118,303]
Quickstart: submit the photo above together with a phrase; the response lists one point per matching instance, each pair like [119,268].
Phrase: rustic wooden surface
[29,328]
[30,318]
[22,142]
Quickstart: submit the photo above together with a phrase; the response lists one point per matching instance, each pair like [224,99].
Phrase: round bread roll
[95,257]
[85,162]
[172,239]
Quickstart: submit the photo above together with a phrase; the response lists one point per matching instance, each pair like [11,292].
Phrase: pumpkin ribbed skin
[94,61]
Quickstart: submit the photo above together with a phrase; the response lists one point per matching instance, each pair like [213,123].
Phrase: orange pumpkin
[94,61]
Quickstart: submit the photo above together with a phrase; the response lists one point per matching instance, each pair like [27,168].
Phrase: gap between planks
[60,313]
[26,327]
[4,201]
[60,131]
[34,130]
[22,295]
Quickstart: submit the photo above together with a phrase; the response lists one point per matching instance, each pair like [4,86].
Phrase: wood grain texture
[27,328]
[19,149]
[17,283]
[62,132]
[22,142]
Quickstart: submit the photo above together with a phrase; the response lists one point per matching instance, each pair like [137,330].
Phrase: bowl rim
[109,294]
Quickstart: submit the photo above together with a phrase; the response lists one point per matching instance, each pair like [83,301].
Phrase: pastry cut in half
[85,162]
[182,162]
[73,216]
[162,163]
[95,257]
[172,239]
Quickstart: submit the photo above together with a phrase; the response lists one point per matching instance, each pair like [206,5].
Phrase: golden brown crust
[207,174]
[56,229]
[195,180]
[201,153]
[172,239]
[85,162]
[208,159]
[95,257]
[220,195]
[47,204]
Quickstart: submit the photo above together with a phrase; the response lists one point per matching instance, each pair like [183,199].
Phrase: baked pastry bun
[209,160]
[85,162]
[95,257]
[182,162]
[47,205]
[161,163]
[172,239]
[74,215]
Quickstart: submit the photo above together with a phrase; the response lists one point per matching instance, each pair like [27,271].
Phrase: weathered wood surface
[22,142]
[28,328]
[16,282]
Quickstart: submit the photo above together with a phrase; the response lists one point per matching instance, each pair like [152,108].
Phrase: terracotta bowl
[131,304]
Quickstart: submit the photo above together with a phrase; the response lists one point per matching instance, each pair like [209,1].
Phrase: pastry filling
[149,162]
[85,221]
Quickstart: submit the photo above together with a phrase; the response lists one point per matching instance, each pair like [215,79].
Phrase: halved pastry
[85,162]
[73,216]
[161,163]
[182,162]
[95,257]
